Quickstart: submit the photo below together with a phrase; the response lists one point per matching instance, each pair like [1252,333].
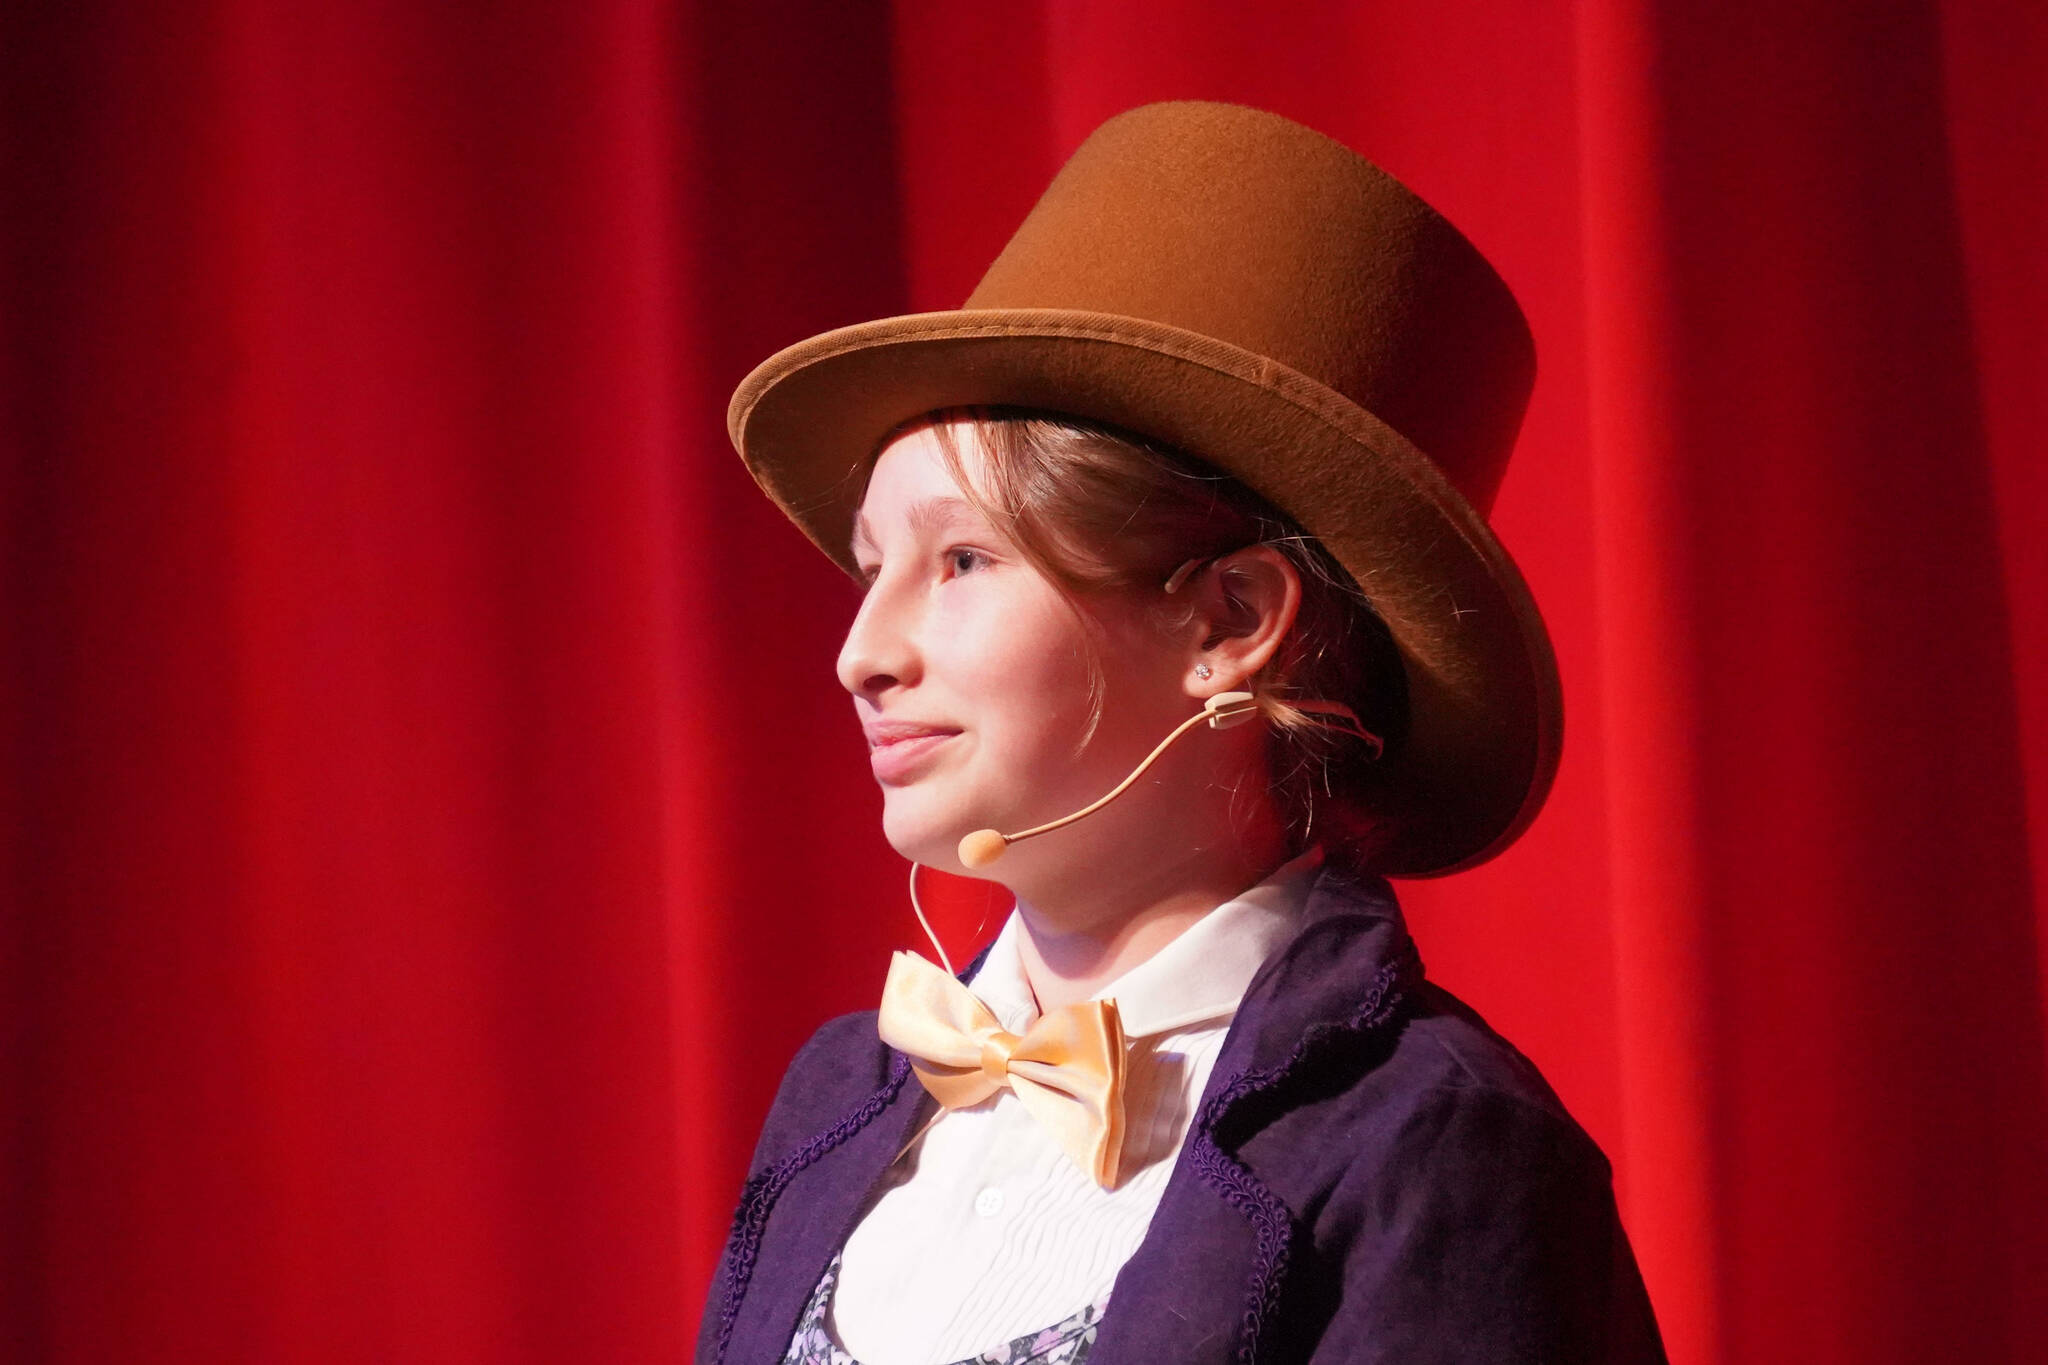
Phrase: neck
[1086,928]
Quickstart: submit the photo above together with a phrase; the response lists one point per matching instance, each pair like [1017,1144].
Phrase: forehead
[911,488]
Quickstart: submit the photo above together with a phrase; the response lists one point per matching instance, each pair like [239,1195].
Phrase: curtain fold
[428,817]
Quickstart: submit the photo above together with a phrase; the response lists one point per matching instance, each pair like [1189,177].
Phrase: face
[969,676]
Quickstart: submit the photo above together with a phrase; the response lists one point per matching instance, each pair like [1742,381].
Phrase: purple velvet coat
[1372,1174]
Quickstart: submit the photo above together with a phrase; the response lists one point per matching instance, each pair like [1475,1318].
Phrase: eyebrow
[924,517]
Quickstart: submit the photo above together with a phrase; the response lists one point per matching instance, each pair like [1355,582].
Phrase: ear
[1245,603]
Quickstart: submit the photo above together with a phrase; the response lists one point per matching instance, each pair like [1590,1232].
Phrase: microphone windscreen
[982,847]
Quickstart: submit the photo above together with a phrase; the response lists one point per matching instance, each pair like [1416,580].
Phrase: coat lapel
[1326,1005]
[796,1213]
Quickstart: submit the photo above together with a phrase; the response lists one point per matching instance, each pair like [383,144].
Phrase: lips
[898,749]
[884,732]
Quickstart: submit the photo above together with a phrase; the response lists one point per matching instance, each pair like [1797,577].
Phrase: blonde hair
[1100,511]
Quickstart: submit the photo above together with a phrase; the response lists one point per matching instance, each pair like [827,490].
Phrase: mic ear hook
[1235,708]
[1226,709]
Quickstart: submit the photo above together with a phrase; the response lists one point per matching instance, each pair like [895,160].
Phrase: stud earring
[1202,670]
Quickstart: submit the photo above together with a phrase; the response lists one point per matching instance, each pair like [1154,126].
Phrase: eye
[959,558]
[955,554]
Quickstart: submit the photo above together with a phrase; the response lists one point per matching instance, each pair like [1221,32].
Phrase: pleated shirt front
[984,1230]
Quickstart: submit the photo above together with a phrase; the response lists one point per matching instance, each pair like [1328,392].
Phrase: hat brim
[1486,714]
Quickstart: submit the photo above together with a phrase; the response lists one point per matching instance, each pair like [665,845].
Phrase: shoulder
[1452,1206]
[1477,1218]
[1467,1214]
[1431,1104]
[1453,1094]
[841,1066]
[843,1041]
[1450,1055]
[1346,1026]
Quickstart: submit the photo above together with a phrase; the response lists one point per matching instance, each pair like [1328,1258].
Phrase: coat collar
[1201,975]
[1351,952]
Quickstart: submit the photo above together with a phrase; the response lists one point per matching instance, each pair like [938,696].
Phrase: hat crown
[1251,229]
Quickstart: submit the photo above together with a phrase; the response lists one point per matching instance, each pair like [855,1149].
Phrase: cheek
[1021,663]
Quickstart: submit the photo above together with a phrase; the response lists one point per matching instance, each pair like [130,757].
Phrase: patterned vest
[1066,1342]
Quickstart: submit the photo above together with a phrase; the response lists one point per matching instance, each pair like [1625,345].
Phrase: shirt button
[989,1202]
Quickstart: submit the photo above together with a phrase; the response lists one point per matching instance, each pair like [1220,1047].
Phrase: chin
[921,833]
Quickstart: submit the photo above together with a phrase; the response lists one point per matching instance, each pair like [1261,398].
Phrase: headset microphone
[1222,711]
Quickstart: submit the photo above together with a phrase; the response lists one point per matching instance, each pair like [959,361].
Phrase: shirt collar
[1200,975]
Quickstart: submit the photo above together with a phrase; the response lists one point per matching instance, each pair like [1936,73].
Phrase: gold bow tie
[1067,1068]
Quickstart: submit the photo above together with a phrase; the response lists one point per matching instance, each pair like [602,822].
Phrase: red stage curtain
[428,818]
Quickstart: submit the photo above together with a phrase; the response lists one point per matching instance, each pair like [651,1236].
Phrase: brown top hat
[1246,289]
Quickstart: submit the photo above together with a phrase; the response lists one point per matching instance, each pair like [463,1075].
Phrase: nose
[880,650]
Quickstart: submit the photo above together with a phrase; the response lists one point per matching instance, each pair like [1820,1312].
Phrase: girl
[1172,628]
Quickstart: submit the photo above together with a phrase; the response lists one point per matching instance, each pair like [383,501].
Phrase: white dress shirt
[984,1229]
